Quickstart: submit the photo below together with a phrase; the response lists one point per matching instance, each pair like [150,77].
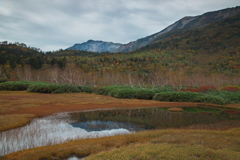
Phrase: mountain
[96,46]
[219,38]
[184,23]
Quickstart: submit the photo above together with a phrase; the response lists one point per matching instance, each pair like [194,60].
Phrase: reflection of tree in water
[154,118]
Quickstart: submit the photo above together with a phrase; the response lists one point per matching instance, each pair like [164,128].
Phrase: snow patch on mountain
[96,46]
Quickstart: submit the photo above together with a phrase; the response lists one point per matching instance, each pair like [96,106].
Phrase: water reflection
[152,118]
[71,126]
[48,131]
[90,126]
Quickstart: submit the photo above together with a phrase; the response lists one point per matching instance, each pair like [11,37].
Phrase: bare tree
[54,75]
[27,73]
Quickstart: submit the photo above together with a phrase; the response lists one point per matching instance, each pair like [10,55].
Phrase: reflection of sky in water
[105,125]
[48,131]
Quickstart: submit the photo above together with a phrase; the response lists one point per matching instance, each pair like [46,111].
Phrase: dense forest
[209,55]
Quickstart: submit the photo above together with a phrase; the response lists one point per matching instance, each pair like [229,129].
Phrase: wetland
[63,127]
[94,117]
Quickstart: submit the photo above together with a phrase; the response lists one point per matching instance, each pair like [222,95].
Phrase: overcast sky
[55,24]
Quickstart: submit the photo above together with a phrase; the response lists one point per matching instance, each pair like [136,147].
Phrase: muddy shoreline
[42,105]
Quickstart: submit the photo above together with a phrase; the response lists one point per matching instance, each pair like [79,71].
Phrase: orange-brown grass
[21,103]
[166,144]
[165,151]
[13,121]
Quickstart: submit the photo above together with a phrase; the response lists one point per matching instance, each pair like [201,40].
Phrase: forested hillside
[209,55]
[19,54]
[220,37]
[186,23]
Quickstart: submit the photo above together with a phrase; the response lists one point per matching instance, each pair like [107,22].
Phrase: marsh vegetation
[65,127]
[20,107]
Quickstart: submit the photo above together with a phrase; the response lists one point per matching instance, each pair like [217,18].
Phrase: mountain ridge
[187,22]
[95,46]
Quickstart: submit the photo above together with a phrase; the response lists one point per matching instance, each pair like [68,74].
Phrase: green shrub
[105,90]
[42,88]
[176,96]
[113,92]
[87,89]
[211,99]
[53,88]
[234,97]
[127,93]
[2,80]
[66,88]
[15,85]
[102,90]
[143,94]
[164,89]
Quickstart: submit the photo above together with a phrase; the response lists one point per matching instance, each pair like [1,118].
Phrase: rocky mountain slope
[96,46]
[184,23]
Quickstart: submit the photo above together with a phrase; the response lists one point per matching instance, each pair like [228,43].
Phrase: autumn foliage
[200,89]
[230,88]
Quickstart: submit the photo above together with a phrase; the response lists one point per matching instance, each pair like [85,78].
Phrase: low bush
[2,80]
[42,88]
[127,93]
[105,90]
[53,88]
[164,89]
[143,94]
[165,93]
[211,99]
[59,88]
[66,88]
[234,97]
[15,85]
[87,89]
[176,96]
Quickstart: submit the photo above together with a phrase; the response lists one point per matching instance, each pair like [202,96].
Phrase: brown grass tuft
[175,109]
[13,121]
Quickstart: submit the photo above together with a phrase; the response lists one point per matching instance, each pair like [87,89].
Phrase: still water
[150,118]
[65,127]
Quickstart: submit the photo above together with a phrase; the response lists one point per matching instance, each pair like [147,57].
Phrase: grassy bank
[159,144]
[206,94]
[13,121]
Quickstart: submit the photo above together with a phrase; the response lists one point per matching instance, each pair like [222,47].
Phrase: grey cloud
[61,23]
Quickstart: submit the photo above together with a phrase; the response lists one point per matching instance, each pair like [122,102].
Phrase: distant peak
[96,46]
[90,40]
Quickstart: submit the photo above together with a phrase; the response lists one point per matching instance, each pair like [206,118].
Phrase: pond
[100,123]
[150,118]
